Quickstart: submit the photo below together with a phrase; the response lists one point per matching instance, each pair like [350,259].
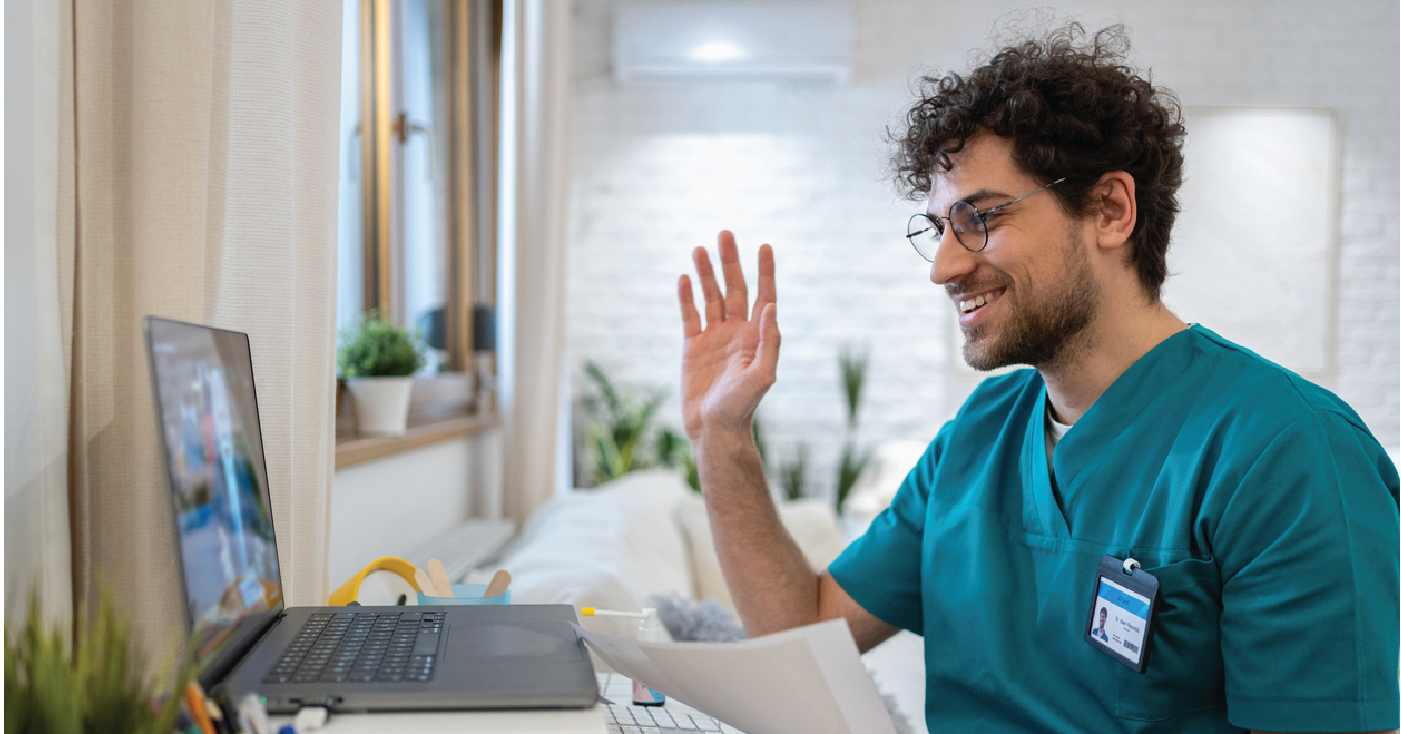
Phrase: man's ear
[1116,209]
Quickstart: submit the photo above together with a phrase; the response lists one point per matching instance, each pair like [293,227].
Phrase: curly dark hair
[1072,107]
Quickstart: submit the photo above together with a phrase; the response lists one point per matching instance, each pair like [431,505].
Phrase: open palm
[727,365]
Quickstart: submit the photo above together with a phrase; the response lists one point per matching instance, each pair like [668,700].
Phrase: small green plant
[374,348]
[792,475]
[619,434]
[96,688]
[849,469]
[853,364]
[672,449]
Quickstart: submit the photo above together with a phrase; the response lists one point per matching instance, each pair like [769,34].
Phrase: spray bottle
[649,629]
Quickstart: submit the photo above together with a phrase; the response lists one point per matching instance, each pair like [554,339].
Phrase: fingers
[690,317]
[765,364]
[714,305]
[767,293]
[736,292]
[734,302]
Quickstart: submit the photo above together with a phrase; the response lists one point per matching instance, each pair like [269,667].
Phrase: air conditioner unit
[766,40]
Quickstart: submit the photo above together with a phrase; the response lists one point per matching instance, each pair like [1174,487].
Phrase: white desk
[588,721]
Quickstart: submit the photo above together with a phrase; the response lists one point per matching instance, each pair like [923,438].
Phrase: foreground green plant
[98,687]
[374,348]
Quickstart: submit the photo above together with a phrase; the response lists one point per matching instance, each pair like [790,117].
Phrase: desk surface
[588,721]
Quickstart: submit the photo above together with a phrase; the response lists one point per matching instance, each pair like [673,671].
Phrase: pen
[592,612]
[194,701]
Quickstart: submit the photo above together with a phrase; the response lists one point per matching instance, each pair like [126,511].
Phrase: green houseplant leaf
[619,432]
[374,348]
[853,462]
[793,474]
[95,687]
[853,363]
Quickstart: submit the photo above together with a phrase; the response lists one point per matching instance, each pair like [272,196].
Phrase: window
[418,162]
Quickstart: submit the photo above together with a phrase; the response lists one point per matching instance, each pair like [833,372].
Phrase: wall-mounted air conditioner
[768,40]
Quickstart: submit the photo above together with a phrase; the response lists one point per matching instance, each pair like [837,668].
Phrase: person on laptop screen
[1260,502]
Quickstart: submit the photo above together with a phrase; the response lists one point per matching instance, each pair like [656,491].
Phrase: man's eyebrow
[982,195]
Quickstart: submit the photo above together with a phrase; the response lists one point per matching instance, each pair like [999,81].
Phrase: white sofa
[647,534]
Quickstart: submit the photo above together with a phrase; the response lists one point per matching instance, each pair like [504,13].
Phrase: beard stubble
[1040,329]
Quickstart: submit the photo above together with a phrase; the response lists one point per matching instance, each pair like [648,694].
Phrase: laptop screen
[208,416]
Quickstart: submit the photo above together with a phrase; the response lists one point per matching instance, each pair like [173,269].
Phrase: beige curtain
[535,105]
[197,174]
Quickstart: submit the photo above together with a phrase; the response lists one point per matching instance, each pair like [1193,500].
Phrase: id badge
[1121,617]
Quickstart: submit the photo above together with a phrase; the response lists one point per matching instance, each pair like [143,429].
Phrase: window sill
[352,449]
[441,408]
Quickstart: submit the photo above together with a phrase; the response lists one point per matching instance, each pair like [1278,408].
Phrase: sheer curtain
[196,180]
[534,179]
[37,551]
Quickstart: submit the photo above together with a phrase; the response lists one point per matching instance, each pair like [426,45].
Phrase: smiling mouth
[973,304]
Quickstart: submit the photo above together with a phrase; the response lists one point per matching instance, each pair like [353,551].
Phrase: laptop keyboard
[652,720]
[361,648]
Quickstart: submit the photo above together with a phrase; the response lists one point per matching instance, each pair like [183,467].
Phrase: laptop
[348,659]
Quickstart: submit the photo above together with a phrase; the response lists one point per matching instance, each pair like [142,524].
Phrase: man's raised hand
[727,365]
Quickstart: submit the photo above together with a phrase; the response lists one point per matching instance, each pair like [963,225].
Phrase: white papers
[804,681]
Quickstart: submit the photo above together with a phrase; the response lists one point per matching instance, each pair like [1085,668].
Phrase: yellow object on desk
[350,590]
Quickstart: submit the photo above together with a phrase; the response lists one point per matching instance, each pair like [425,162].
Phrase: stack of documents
[808,680]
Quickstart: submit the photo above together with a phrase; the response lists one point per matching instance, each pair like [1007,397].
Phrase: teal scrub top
[1260,501]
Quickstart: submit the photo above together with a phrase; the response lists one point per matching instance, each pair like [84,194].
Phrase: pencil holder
[465,594]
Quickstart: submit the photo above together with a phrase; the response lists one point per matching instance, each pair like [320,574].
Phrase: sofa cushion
[812,523]
[611,547]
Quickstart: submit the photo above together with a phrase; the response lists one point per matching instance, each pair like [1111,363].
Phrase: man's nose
[952,260]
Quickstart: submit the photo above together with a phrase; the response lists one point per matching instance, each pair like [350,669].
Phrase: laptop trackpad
[468,643]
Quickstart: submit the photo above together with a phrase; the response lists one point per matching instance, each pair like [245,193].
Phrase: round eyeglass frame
[963,217]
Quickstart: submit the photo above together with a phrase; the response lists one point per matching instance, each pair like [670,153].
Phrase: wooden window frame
[474,52]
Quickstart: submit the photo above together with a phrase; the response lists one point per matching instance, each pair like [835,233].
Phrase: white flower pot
[381,404]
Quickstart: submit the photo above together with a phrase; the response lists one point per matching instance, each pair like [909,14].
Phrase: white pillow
[610,547]
[811,522]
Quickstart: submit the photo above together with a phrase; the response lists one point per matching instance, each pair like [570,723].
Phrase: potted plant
[377,361]
[94,685]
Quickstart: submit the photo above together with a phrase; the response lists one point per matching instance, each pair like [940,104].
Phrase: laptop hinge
[218,667]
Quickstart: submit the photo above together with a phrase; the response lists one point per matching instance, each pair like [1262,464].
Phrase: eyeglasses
[969,226]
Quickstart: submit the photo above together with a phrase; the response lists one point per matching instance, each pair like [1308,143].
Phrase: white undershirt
[1054,431]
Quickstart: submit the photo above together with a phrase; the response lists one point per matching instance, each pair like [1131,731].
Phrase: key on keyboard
[361,648]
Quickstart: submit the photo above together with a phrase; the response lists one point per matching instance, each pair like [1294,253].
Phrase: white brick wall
[659,169]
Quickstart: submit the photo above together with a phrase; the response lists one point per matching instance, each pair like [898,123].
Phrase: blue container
[465,594]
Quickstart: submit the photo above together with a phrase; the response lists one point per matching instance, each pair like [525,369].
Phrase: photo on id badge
[1121,615]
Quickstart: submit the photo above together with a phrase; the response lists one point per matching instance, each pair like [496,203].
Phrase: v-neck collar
[1119,406]
[1048,511]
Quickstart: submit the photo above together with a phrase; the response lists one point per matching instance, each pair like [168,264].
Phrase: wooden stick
[425,584]
[498,584]
[439,575]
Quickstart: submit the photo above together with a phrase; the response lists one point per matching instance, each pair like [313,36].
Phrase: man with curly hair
[1260,502]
